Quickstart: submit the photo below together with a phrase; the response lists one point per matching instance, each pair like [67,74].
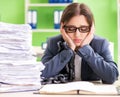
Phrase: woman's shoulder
[53,41]
[99,42]
[98,39]
[55,38]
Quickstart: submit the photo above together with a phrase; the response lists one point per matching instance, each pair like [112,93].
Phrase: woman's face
[80,22]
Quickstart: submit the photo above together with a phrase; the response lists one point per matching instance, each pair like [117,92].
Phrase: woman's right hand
[67,39]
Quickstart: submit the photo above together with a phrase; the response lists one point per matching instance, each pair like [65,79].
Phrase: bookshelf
[28,5]
[43,30]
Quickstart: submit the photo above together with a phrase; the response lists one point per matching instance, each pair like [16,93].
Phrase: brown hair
[77,9]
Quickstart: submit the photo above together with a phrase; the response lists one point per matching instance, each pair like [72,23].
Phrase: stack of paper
[18,66]
[24,73]
[20,76]
[15,42]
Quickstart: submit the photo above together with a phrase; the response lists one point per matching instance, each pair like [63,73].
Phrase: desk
[31,94]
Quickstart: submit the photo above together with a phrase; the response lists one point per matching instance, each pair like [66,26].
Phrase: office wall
[12,11]
[105,13]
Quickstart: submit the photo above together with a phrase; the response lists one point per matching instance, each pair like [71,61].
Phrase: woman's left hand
[89,37]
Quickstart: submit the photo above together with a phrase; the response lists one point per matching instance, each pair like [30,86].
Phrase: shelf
[48,4]
[29,4]
[46,30]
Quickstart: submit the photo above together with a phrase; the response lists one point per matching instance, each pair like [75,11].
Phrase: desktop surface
[33,94]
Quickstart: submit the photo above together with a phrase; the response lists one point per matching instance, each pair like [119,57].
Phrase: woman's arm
[102,64]
[55,63]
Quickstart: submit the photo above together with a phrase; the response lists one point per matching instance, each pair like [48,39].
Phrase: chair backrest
[111,47]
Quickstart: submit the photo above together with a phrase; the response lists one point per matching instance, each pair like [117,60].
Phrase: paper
[84,87]
[19,70]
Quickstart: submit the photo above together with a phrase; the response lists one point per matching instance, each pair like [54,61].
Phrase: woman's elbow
[111,79]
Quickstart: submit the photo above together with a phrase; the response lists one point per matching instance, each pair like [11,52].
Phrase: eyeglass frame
[79,28]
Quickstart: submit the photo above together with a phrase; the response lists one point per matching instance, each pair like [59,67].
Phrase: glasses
[72,29]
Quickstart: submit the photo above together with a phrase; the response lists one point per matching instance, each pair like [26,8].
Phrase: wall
[105,13]
[12,11]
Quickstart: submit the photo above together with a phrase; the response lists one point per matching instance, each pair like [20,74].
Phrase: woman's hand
[67,39]
[89,37]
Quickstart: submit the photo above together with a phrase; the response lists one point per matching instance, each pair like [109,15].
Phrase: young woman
[77,53]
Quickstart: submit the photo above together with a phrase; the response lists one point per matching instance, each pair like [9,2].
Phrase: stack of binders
[60,1]
[57,18]
[32,18]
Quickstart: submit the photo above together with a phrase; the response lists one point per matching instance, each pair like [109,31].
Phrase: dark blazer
[97,63]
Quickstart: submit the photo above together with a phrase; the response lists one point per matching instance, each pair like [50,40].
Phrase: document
[79,87]
[6,88]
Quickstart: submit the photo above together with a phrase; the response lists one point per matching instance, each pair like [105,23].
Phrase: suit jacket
[97,62]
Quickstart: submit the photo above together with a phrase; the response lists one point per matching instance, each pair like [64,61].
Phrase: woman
[77,53]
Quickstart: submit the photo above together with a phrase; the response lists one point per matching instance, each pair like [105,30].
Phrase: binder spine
[56,19]
[29,17]
[69,1]
[60,1]
[34,19]
[51,1]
